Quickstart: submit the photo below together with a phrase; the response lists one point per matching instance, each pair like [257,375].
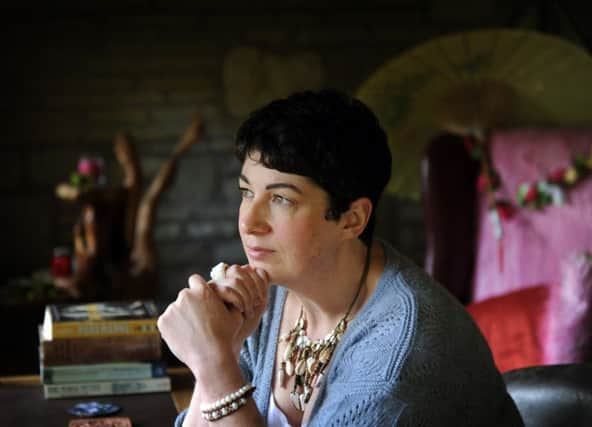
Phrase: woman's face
[282,223]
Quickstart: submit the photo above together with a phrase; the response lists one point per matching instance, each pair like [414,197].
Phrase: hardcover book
[122,348]
[106,388]
[114,318]
[101,372]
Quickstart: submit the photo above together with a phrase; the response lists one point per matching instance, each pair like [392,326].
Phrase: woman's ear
[356,218]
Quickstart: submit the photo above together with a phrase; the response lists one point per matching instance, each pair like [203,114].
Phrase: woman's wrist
[210,359]
[218,379]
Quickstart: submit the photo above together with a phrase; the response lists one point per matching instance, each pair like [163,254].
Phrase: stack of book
[103,348]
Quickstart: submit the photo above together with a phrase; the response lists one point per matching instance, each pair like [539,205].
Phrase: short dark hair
[327,136]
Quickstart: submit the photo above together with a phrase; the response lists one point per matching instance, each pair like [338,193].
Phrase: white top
[275,416]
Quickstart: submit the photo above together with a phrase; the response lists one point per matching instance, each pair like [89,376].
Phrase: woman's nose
[253,219]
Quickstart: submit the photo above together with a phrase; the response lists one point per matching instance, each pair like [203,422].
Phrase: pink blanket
[535,241]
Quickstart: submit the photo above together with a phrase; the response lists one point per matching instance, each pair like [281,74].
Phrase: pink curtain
[535,241]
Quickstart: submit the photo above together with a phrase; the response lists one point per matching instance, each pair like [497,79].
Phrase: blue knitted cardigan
[411,357]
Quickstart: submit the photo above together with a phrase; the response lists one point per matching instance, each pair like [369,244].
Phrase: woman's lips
[257,252]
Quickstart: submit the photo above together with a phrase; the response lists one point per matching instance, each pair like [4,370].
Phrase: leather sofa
[553,395]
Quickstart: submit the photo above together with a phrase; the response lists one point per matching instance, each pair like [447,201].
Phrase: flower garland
[488,182]
[551,190]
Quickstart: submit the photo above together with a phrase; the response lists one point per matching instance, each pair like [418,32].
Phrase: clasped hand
[210,320]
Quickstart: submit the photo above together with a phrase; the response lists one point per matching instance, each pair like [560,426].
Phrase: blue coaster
[93,409]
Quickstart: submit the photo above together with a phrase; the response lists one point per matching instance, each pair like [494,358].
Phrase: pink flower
[91,167]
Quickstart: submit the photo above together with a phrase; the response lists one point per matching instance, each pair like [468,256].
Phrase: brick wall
[83,72]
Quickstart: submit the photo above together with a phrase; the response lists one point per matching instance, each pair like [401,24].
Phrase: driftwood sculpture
[114,252]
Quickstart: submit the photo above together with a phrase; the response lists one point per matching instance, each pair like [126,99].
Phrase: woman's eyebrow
[274,185]
[284,185]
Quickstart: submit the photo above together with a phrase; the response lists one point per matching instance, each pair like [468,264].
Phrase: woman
[353,333]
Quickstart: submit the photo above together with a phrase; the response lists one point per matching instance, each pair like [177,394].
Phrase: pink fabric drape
[535,241]
[567,331]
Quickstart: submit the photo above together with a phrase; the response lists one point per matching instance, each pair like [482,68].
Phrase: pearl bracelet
[227,404]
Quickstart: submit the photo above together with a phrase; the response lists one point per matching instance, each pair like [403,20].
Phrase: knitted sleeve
[413,358]
[448,378]
[246,363]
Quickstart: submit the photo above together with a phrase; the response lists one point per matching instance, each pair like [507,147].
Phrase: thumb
[266,281]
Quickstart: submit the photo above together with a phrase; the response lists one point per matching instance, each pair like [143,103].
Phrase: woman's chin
[263,266]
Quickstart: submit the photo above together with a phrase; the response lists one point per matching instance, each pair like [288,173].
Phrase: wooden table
[22,403]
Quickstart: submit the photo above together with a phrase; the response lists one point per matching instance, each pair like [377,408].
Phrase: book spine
[97,328]
[101,372]
[73,351]
[105,388]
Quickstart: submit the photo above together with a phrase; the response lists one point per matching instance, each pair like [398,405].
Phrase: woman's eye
[281,200]
[246,193]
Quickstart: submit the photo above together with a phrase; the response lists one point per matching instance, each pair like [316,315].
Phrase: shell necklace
[306,359]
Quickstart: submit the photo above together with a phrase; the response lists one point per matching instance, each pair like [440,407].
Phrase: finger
[244,279]
[195,281]
[266,279]
[262,273]
[230,296]
[258,284]
[261,279]
[256,287]
[237,315]
[245,291]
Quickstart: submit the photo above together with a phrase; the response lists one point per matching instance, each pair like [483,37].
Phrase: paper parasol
[472,82]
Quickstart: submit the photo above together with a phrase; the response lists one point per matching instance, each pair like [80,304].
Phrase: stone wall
[81,73]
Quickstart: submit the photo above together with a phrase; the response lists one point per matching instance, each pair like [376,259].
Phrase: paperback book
[106,388]
[101,372]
